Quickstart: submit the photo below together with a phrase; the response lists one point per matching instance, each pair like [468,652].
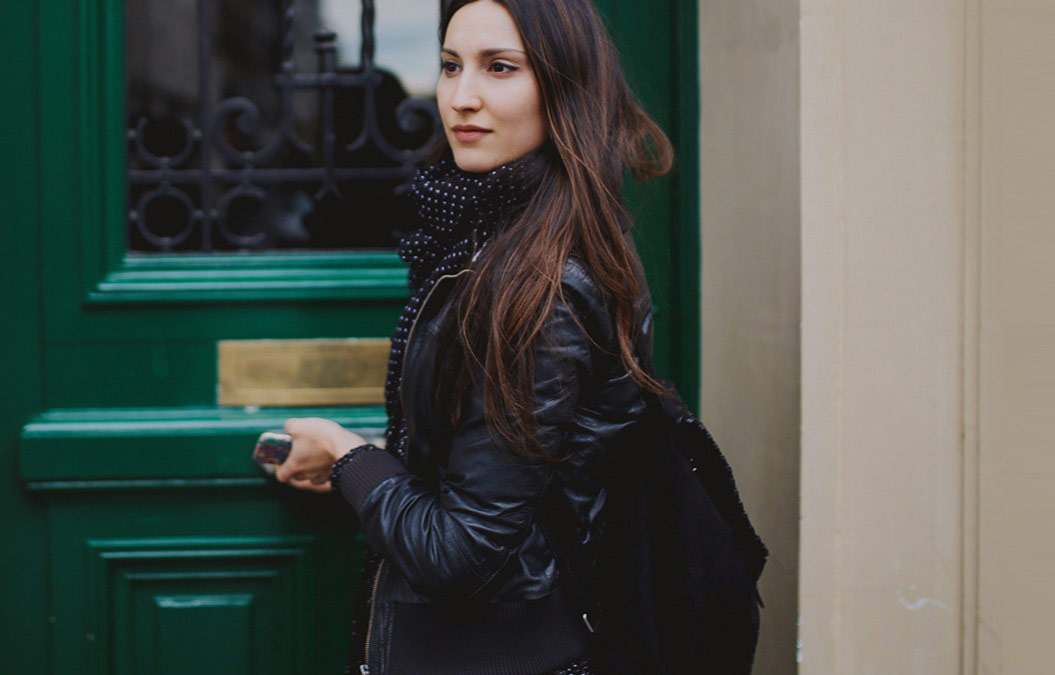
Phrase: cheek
[525,111]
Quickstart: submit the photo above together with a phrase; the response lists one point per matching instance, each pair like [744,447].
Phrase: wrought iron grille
[276,157]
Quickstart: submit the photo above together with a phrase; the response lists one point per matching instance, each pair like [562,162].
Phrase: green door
[138,535]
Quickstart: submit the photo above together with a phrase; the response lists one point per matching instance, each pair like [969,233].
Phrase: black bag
[674,586]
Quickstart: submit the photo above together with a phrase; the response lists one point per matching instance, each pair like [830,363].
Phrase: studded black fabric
[459,212]
[583,666]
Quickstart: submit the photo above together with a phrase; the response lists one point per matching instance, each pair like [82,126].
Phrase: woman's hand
[317,444]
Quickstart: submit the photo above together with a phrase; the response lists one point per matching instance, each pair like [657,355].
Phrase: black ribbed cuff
[360,470]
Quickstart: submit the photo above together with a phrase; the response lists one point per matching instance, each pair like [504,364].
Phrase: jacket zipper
[410,333]
[364,669]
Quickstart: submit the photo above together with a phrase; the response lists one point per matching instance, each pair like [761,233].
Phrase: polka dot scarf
[459,212]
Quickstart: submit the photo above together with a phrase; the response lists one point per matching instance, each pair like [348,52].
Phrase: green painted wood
[71,323]
[167,373]
[644,33]
[23,580]
[110,568]
[176,605]
[262,277]
[143,444]
[229,629]
[686,236]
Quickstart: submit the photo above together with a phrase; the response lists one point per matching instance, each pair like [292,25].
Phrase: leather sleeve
[449,542]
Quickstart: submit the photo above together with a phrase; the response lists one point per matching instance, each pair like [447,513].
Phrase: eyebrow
[486,52]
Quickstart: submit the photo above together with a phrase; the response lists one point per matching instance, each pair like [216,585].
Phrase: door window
[291,125]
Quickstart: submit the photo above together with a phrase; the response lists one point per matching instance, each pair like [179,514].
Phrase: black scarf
[459,213]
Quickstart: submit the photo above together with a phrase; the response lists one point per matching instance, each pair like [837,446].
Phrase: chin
[475,162]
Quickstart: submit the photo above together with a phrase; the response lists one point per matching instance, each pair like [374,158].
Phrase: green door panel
[178,606]
[138,535]
[226,629]
[246,577]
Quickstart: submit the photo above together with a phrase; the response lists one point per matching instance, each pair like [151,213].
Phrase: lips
[468,132]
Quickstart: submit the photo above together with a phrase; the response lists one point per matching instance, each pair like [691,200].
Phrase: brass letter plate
[303,372]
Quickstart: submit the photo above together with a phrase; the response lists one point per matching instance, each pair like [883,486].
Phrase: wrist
[342,442]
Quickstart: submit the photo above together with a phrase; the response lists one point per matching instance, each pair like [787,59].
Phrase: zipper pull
[364,669]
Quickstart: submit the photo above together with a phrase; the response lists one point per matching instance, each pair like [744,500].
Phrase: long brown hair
[597,132]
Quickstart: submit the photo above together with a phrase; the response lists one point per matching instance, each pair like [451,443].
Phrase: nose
[466,96]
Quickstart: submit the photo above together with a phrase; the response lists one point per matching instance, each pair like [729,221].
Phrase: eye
[448,66]
[502,67]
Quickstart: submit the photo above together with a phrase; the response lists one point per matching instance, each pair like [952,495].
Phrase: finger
[309,477]
[291,425]
[288,470]
[307,484]
[294,464]
[281,474]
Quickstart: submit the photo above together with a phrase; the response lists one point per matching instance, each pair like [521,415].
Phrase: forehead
[479,25]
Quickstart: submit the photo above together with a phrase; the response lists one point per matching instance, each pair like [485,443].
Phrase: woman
[517,361]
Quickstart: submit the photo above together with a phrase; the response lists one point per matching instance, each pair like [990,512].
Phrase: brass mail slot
[347,371]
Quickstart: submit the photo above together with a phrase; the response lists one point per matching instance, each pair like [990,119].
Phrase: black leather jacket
[468,580]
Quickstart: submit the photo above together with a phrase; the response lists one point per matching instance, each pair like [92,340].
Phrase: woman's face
[487,93]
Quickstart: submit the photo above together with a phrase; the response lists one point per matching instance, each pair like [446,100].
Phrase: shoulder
[576,278]
[581,285]
[582,295]
[580,288]
[594,304]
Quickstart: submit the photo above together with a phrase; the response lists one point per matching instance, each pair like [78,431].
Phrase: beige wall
[878,209]
[1012,145]
[750,288]
[883,237]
